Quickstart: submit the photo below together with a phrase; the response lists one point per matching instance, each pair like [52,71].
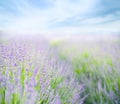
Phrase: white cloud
[61,10]
[100,19]
[64,9]
[32,18]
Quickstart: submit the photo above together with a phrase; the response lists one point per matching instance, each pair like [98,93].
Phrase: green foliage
[62,56]
[85,54]
[30,74]
[56,81]
[2,96]
[37,87]
[43,101]
[23,76]
[15,99]
[64,95]
[109,61]
[99,83]
[55,43]
[77,71]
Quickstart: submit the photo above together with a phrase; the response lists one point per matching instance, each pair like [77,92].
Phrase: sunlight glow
[83,14]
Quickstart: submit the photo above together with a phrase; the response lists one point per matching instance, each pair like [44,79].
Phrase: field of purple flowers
[96,64]
[34,71]
[31,73]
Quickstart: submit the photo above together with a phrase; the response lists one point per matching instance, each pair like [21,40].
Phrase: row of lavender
[30,73]
[96,64]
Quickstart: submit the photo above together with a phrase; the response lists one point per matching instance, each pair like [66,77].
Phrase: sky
[60,16]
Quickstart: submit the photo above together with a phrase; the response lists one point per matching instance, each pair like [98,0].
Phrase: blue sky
[67,16]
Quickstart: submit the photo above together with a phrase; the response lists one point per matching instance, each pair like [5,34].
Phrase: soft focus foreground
[31,73]
[96,63]
[78,70]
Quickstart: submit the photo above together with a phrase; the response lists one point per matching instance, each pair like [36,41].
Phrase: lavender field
[82,70]
[96,63]
[31,73]
[59,51]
